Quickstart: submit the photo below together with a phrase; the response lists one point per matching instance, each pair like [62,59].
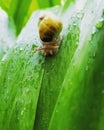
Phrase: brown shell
[49,28]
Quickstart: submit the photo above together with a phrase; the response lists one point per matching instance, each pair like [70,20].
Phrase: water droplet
[21,49]
[27,90]
[74,24]
[24,108]
[22,101]
[57,111]
[22,112]
[102,91]
[7,92]
[93,30]
[4,57]
[100,24]
[87,68]
[94,54]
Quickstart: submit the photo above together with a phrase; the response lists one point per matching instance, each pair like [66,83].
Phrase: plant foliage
[61,92]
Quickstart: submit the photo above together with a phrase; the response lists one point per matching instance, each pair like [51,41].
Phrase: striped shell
[49,28]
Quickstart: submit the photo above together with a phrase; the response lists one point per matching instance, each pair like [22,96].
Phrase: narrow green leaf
[71,82]
[80,101]
[20,11]
[5,4]
[7,33]
[67,3]
[56,2]
[20,80]
[55,71]
[48,3]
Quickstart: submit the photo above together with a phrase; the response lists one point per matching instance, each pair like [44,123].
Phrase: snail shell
[49,27]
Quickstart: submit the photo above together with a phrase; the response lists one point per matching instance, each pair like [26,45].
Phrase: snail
[49,27]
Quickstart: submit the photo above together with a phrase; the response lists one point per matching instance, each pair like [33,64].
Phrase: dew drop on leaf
[21,49]
[94,54]
[87,68]
[102,91]
[22,112]
[27,90]
[57,111]
[100,24]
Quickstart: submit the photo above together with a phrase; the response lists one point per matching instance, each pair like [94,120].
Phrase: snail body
[49,27]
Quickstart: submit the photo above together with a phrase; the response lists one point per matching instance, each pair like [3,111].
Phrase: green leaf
[61,92]
[48,3]
[7,33]
[67,3]
[81,91]
[54,74]
[20,81]
[20,11]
